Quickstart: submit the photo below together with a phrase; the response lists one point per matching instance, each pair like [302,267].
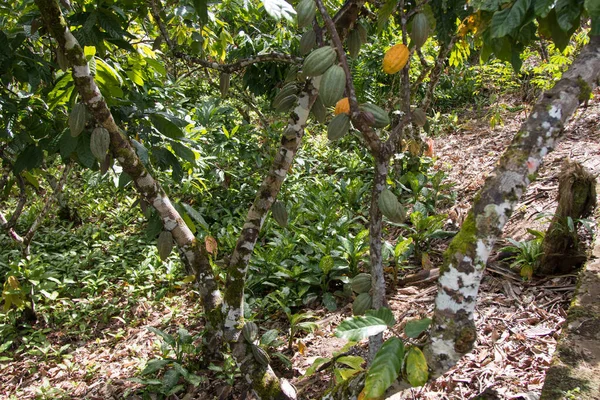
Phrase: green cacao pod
[391,207]
[381,116]
[419,117]
[362,303]
[354,42]
[165,244]
[292,74]
[420,30]
[286,103]
[338,127]
[306,11]
[99,143]
[332,85]
[308,42]
[250,331]
[77,119]
[280,213]
[361,283]
[224,81]
[287,90]
[319,110]
[260,355]
[319,61]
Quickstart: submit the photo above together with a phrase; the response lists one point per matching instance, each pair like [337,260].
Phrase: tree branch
[155,11]
[240,64]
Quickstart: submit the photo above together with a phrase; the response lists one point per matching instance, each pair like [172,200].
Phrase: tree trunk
[453,331]
[576,198]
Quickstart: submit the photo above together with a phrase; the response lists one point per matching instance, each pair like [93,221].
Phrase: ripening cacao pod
[250,331]
[77,119]
[279,213]
[419,117]
[391,207]
[338,127]
[260,355]
[342,106]
[308,42]
[332,85]
[362,303]
[420,30]
[224,81]
[361,283]
[381,116]
[165,244]
[319,110]
[354,42]
[306,11]
[319,61]
[395,58]
[99,143]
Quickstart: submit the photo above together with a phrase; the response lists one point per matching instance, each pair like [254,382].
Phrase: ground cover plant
[157,127]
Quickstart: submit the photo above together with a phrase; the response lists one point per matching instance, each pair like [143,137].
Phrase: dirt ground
[518,322]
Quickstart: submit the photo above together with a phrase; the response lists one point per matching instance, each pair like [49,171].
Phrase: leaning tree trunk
[576,199]
[453,331]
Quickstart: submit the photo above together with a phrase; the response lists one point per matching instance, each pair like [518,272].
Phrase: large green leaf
[201,10]
[567,13]
[384,369]
[166,126]
[384,314]
[326,264]
[354,362]
[507,21]
[29,158]
[417,326]
[416,367]
[357,328]
[543,7]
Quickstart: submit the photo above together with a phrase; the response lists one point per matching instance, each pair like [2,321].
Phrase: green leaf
[316,364]
[155,365]
[184,152]
[84,154]
[166,126]
[592,7]
[201,10]
[329,301]
[326,264]
[402,248]
[384,369]
[195,215]
[29,158]
[357,328]
[343,374]
[507,21]
[417,326]
[170,340]
[279,9]
[384,314]
[567,14]
[170,379]
[384,14]
[354,362]
[543,7]
[269,337]
[141,151]
[416,367]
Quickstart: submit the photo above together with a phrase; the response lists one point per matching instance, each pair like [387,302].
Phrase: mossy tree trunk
[576,198]
[453,333]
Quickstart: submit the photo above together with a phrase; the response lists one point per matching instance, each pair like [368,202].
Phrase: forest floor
[518,322]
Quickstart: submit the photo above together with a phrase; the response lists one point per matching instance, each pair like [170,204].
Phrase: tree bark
[576,199]
[453,333]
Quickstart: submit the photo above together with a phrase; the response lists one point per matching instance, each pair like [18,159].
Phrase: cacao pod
[342,106]
[338,127]
[99,143]
[354,42]
[362,303]
[381,116]
[362,32]
[332,85]
[368,117]
[224,81]
[420,30]
[250,331]
[280,213]
[319,61]
[419,117]
[260,355]
[291,74]
[319,110]
[284,104]
[287,90]
[165,244]
[77,119]
[361,283]
[106,164]
[391,207]
[308,42]
[395,58]
[306,11]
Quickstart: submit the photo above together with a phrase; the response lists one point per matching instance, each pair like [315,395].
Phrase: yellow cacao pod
[395,58]
[342,106]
